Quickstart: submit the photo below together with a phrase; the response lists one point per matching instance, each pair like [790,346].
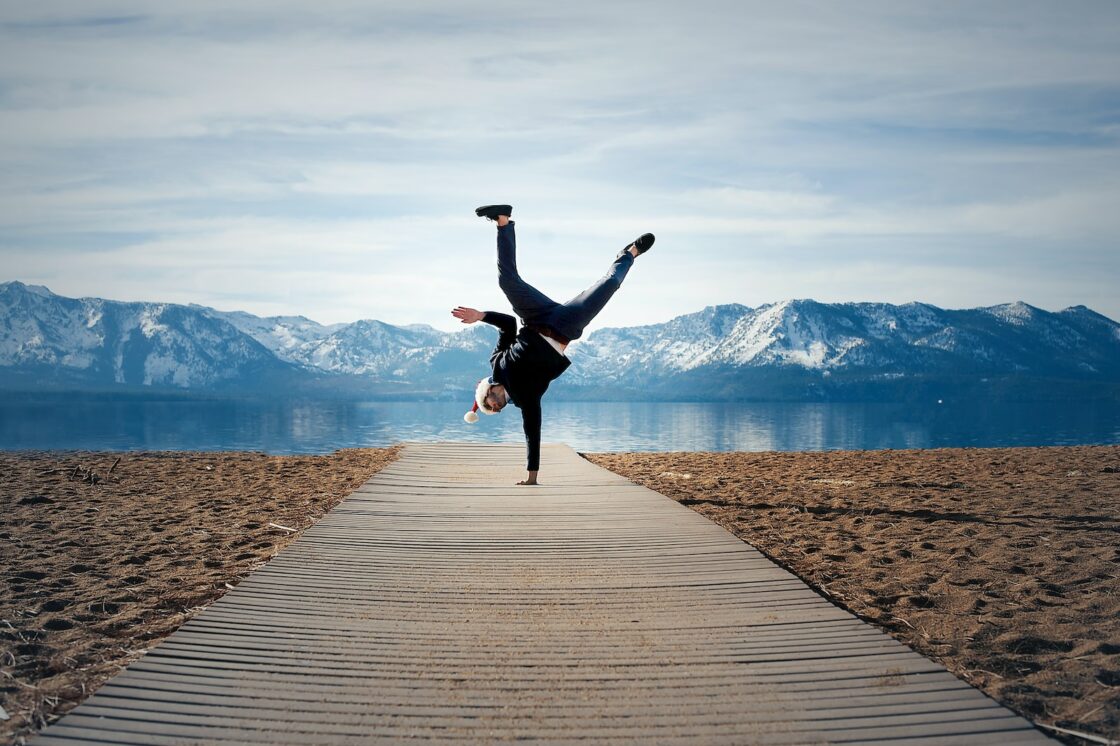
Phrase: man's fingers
[467,315]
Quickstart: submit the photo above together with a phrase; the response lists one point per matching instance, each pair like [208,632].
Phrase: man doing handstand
[524,362]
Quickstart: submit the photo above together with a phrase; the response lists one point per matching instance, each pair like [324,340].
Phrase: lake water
[135,423]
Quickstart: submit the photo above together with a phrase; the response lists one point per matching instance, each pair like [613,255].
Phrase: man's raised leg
[572,318]
[530,304]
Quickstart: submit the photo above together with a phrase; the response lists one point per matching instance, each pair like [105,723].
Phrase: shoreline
[1000,563]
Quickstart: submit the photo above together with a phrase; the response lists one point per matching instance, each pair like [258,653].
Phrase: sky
[325,159]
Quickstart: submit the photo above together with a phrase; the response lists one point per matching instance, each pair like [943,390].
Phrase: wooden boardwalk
[440,602]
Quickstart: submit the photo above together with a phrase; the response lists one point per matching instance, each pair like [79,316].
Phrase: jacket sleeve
[531,419]
[507,328]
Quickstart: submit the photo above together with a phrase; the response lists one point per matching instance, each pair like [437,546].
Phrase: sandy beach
[100,562]
[1002,564]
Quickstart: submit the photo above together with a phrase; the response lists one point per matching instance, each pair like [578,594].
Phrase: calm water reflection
[72,422]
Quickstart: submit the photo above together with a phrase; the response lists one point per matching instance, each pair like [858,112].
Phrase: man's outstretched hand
[467,315]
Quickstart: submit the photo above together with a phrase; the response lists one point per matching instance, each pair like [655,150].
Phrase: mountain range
[792,350]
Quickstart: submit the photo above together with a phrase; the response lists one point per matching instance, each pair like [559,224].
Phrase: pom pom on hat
[471,417]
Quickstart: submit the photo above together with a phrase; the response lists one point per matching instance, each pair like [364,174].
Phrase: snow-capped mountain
[287,336]
[362,348]
[47,338]
[793,349]
[879,338]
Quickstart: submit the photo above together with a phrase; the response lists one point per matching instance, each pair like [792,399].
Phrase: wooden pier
[443,603]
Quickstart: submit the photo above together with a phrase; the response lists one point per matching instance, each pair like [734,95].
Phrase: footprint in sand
[56,604]
[58,625]
[29,648]
[1031,645]
[921,602]
[36,500]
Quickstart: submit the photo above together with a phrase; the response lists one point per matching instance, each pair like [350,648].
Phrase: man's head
[491,397]
[497,398]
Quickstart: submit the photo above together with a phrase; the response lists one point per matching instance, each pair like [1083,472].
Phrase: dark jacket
[525,364]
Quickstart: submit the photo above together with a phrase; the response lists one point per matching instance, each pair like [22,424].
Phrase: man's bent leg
[530,304]
[572,318]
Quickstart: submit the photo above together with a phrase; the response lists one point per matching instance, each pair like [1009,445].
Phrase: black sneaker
[642,243]
[493,212]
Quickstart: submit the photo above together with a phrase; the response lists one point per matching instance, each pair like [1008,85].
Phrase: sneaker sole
[493,212]
[648,244]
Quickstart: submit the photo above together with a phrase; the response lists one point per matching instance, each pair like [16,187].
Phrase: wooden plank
[441,602]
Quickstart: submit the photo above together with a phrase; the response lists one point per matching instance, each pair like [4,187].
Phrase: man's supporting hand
[531,479]
[467,315]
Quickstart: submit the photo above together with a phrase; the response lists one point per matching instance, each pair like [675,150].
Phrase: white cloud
[207,153]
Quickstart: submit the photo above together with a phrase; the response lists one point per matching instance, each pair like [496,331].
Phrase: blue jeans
[534,307]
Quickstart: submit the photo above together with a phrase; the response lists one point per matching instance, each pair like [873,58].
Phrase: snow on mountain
[159,344]
[912,338]
[108,342]
[374,347]
[47,337]
[679,344]
[286,336]
[366,348]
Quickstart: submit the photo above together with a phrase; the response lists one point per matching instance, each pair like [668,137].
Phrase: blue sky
[325,159]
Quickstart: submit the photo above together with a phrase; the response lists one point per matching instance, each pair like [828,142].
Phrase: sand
[1002,564]
[97,567]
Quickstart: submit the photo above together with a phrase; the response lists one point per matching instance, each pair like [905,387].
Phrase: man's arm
[507,325]
[531,419]
[507,329]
